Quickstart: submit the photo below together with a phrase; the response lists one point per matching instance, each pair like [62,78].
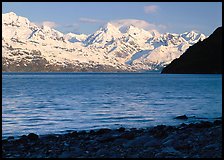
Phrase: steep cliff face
[203,57]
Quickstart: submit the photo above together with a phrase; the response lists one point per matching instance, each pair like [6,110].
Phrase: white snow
[127,47]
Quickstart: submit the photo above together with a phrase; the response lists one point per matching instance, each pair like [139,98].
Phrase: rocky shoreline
[195,140]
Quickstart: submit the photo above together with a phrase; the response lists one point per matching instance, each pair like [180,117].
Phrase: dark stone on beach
[217,122]
[74,134]
[121,129]
[50,137]
[82,132]
[92,132]
[183,125]
[169,128]
[183,117]
[153,142]
[160,127]
[128,136]
[103,131]
[138,141]
[33,137]
[149,153]
[160,134]
[23,139]
[133,129]
[65,154]
[182,146]
[200,140]
[168,152]
[161,131]
[103,153]
[109,138]
[191,125]
[10,137]
[4,141]
[203,125]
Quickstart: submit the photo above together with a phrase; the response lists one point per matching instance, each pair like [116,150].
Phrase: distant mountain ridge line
[131,49]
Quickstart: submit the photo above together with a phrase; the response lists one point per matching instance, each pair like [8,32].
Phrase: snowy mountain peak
[12,19]
[72,37]
[46,28]
[9,14]
[133,29]
[76,35]
[154,33]
[123,47]
[193,36]
[130,29]
[71,34]
[107,33]
[109,27]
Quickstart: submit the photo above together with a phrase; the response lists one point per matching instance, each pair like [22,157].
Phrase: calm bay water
[45,103]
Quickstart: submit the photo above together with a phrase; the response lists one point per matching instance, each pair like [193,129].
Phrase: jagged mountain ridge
[27,45]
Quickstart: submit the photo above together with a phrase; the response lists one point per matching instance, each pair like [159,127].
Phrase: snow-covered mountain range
[28,47]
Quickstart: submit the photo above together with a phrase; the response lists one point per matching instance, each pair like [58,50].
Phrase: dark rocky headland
[195,140]
[204,57]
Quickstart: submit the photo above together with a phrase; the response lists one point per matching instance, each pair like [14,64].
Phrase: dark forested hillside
[203,57]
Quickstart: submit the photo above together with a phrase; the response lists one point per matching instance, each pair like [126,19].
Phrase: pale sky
[87,17]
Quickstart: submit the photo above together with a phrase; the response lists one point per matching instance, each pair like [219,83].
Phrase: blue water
[45,103]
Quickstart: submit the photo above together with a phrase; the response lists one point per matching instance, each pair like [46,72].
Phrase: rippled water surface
[46,103]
